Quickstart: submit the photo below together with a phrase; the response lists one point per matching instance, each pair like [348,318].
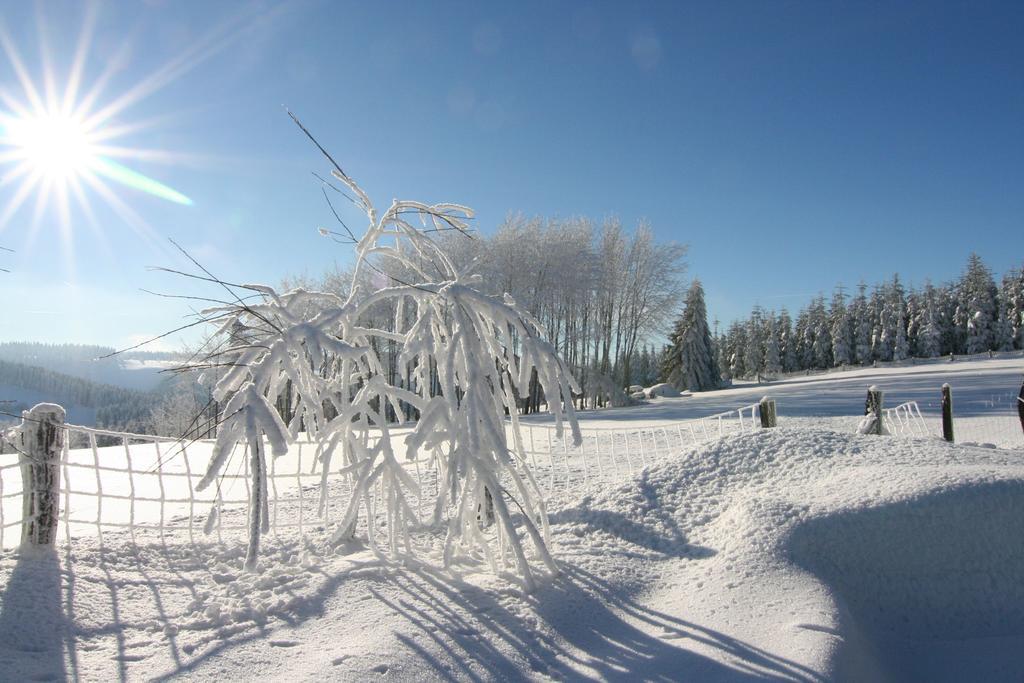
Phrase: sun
[65,142]
[67,137]
[55,145]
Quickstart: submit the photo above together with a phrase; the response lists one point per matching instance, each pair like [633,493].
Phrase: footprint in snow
[340,660]
[284,643]
[381,669]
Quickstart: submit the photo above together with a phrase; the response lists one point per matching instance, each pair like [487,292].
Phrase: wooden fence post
[41,441]
[873,406]
[947,412]
[766,409]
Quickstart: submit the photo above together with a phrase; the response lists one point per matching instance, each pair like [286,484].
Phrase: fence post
[873,406]
[41,441]
[947,412]
[766,409]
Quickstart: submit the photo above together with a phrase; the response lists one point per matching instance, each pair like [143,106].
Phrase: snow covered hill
[806,552]
[803,554]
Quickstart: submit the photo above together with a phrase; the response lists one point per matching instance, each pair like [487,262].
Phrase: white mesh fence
[991,422]
[905,420]
[611,455]
[145,485]
[990,419]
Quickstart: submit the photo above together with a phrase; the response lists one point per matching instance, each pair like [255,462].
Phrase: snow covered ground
[984,398]
[802,553]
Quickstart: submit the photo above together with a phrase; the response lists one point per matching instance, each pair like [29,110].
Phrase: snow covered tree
[883,326]
[821,337]
[894,323]
[183,412]
[803,334]
[787,348]
[772,360]
[841,329]
[736,349]
[860,314]
[900,346]
[976,306]
[928,326]
[465,374]
[721,358]
[1002,333]
[690,362]
[1011,305]
[753,358]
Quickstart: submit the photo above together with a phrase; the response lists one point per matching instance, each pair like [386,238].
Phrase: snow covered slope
[980,387]
[797,553]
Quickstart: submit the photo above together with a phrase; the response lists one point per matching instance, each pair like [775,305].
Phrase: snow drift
[792,553]
[924,579]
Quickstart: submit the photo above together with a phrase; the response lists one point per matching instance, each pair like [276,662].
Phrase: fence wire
[145,485]
[612,455]
[991,422]
[905,420]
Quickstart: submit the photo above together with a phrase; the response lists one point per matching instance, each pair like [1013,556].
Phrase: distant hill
[139,370]
[87,402]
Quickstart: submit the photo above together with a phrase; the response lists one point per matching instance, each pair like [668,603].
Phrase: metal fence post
[947,412]
[873,406]
[766,409]
[41,441]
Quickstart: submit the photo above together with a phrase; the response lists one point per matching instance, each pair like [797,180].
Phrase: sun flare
[53,144]
[65,144]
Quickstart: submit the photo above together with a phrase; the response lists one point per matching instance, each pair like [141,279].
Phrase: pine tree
[881,326]
[804,337]
[842,351]
[691,360]
[976,306]
[772,360]
[913,321]
[754,351]
[721,357]
[787,348]
[1002,333]
[1011,304]
[929,330]
[861,326]
[736,348]
[946,307]
[900,346]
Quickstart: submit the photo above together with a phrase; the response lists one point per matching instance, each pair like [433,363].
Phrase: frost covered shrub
[469,355]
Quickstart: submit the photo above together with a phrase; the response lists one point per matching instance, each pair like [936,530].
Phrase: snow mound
[839,551]
[795,553]
[944,572]
[662,390]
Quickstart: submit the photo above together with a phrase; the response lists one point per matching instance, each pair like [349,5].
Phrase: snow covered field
[803,553]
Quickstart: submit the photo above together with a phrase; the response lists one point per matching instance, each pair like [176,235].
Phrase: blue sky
[791,145]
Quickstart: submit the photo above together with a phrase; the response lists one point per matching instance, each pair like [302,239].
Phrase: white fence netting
[611,455]
[145,486]
[991,421]
[905,420]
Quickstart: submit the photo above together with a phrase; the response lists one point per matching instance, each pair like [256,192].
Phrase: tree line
[601,292]
[116,407]
[892,322]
